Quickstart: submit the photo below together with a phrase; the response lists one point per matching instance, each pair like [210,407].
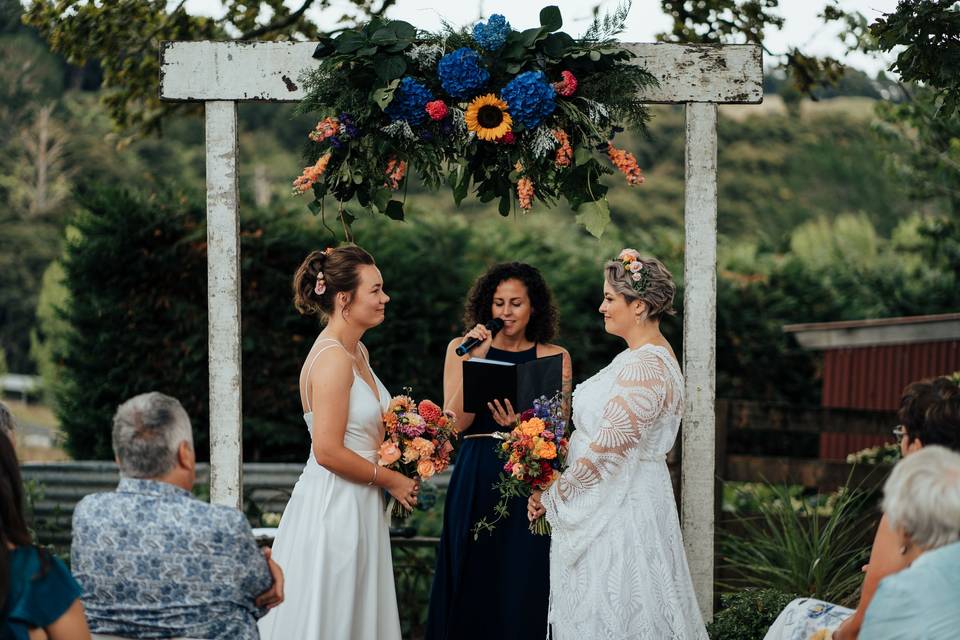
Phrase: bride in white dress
[334,540]
[617,565]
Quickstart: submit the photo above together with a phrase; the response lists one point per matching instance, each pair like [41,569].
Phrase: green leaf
[557,44]
[530,37]
[367,51]
[462,184]
[324,48]
[394,210]
[514,68]
[595,56]
[504,206]
[357,177]
[314,207]
[348,42]
[582,156]
[384,95]
[595,216]
[384,36]
[391,68]
[550,18]
[347,217]
[404,30]
[380,199]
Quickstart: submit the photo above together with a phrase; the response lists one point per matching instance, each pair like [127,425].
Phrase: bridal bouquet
[416,442]
[533,454]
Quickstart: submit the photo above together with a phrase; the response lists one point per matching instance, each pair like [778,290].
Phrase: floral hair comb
[633,265]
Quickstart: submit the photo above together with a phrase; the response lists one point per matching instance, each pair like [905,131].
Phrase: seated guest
[155,562]
[37,593]
[921,500]
[804,617]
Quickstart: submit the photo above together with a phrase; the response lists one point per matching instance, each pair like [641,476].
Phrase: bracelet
[376,468]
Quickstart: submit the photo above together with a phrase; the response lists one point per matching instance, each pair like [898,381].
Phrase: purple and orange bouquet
[534,452]
[416,441]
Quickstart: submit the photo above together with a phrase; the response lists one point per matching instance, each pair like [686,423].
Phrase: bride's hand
[505,417]
[534,506]
[404,490]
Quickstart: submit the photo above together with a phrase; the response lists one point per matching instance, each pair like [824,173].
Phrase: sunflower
[487,117]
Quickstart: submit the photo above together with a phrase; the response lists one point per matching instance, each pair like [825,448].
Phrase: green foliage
[3,362]
[794,546]
[747,614]
[927,35]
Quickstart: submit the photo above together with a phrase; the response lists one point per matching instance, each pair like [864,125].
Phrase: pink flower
[437,110]
[637,277]
[389,453]
[568,86]
[635,266]
[628,255]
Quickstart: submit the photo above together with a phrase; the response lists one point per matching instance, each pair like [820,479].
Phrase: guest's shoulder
[95,503]
[227,518]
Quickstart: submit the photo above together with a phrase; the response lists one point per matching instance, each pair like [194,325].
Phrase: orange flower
[325,128]
[545,450]
[396,170]
[532,427]
[389,453]
[423,446]
[426,468]
[310,175]
[565,152]
[525,193]
[626,163]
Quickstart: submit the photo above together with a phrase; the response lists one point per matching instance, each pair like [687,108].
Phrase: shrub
[747,614]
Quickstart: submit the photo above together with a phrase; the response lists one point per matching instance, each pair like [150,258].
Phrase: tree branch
[283,23]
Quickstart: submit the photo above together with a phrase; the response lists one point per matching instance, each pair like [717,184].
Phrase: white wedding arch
[221,74]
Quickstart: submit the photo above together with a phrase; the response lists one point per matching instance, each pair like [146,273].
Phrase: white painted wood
[223,304]
[271,71]
[700,349]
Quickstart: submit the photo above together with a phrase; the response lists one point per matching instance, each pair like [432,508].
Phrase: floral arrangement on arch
[516,116]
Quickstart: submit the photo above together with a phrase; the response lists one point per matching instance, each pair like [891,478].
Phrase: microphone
[493,326]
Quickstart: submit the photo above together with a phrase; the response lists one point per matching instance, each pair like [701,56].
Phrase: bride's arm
[330,383]
[639,394]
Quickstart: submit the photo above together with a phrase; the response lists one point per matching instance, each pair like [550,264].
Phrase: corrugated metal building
[867,363]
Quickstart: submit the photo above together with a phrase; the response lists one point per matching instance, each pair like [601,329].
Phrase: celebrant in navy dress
[497,585]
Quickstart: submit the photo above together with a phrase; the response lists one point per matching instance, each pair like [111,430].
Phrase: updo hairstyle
[341,272]
[658,291]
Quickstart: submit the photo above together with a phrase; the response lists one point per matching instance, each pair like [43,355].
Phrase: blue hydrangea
[461,74]
[493,34]
[409,101]
[530,98]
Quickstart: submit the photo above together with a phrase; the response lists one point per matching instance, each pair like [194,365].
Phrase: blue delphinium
[461,74]
[530,98]
[409,101]
[493,34]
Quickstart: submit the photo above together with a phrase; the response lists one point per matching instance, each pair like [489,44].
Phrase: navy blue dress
[498,585]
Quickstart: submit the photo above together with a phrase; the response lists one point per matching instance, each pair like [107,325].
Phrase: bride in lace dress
[334,540]
[617,565]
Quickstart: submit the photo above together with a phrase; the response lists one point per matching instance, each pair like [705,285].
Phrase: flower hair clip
[321,286]
[633,265]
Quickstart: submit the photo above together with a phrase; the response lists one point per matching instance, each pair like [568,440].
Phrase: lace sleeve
[638,396]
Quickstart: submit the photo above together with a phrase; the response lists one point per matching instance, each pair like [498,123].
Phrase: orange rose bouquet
[416,441]
[533,454]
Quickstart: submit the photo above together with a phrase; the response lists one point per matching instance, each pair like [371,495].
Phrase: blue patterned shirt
[155,562]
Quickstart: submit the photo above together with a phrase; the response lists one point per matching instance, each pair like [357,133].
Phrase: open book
[488,380]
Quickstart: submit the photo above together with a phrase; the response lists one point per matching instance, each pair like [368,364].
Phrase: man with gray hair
[155,562]
[922,501]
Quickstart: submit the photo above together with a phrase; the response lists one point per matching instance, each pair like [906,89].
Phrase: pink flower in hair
[321,287]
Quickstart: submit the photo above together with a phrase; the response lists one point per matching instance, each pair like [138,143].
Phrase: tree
[124,38]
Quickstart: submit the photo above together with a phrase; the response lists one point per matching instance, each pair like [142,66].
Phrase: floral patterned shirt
[155,562]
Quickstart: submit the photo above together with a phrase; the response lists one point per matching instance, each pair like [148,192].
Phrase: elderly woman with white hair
[922,502]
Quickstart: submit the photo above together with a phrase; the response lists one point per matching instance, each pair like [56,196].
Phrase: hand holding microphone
[480,336]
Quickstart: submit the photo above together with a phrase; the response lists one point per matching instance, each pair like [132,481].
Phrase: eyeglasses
[899,431]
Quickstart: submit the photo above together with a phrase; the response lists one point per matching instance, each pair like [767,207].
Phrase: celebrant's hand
[505,417]
[534,506]
[274,595]
[404,489]
[480,332]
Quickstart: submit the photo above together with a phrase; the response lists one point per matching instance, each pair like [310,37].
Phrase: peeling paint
[291,85]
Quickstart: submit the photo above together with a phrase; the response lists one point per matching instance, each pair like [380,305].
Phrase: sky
[802,27]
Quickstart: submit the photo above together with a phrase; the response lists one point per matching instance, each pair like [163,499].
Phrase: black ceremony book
[488,380]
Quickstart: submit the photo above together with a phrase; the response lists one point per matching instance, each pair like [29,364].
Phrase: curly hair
[917,413]
[543,319]
[660,290]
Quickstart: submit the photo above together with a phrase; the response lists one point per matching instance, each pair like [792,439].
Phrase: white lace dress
[617,565]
